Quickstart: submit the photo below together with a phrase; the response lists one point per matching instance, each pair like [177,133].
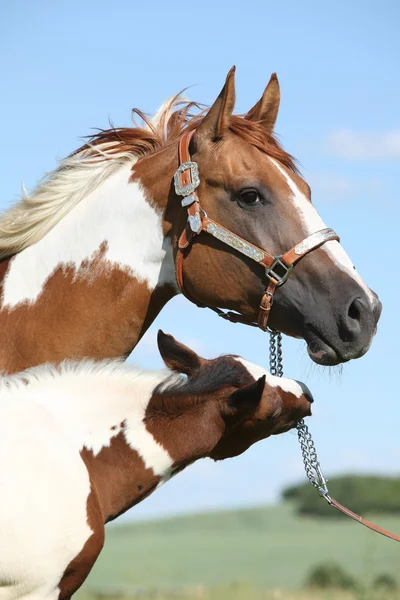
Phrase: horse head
[230,403]
[251,186]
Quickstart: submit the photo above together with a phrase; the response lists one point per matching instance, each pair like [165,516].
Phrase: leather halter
[277,268]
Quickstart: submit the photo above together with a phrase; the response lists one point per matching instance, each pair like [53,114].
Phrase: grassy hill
[269,547]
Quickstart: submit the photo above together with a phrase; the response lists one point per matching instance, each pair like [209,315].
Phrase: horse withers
[83,442]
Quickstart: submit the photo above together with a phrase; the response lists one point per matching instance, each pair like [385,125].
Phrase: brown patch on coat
[120,476]
[97,311]
[277,413]
[196,401]
[80,566]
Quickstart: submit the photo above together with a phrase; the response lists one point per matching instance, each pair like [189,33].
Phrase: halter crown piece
[277,268]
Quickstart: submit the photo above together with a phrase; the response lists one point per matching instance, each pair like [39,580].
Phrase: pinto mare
[83,442]
[88,257]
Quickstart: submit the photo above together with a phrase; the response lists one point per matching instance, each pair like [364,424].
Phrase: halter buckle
[189,188]
[279,271]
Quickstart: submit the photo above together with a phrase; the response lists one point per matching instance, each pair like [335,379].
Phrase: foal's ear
[246,399]
[216,120]
[266,109]
[176,356]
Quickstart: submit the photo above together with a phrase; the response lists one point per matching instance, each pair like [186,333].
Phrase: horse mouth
[324,353]
[293,423]
[321,352]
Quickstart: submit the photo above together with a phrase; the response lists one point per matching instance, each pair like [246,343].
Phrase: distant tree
[330,575]
[386,582]
[361,494]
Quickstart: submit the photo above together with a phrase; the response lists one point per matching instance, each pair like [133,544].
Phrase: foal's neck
[93,284]
[146,448]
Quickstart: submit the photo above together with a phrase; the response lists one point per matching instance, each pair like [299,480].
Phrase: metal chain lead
[272,353]
[310,457]
[310,460]
[275,353]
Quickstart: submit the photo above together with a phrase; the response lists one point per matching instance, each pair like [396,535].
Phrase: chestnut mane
[105,152]
[174,118]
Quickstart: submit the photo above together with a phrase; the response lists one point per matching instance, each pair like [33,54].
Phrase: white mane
[81,372]
[35,214]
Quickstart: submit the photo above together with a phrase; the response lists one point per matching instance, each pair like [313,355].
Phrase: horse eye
[249,197]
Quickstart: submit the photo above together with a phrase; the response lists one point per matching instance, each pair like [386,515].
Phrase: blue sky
[69,67]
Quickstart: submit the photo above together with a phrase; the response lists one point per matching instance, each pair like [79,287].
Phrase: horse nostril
[307,394]
[354,319]
[354,311]
[357,324]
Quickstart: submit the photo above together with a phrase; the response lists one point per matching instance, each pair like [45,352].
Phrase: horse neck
[146,448]
[93,284]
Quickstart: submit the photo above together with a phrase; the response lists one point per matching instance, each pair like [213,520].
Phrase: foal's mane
[80,370]
[104,153]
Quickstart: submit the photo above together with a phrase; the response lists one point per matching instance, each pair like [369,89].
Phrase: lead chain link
[309,453]
[275,353]
[272,353]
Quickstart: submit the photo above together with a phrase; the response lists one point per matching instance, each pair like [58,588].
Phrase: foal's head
[224,406]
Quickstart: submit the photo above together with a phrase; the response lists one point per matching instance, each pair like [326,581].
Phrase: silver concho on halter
[188,191]
[195,222]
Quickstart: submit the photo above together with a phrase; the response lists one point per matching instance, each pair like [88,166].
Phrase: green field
[260,548]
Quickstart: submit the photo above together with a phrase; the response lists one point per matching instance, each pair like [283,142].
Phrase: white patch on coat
[312,222]
[30,218]
[110,393]
[118,213]
[287,385]
[47,415]
[44,489]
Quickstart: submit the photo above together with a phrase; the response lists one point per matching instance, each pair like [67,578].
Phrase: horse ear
[216,120]
[266,109]
[176,356]
[247,399]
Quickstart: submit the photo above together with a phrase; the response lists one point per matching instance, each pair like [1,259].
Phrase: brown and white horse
[83,442]
[88,257]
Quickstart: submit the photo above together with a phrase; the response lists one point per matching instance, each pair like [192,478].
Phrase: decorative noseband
[277,268]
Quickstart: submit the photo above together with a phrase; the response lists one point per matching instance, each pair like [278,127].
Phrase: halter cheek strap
[277,268]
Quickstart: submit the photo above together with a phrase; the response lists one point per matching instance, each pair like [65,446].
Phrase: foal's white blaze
[287,385]
[312,222]
[118,213]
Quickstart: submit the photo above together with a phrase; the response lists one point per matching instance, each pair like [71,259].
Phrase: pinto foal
[82,443]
